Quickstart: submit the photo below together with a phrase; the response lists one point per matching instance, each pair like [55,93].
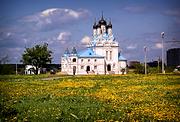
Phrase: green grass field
[90,98]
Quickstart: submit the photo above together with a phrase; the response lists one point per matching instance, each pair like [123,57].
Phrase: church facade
[101,56]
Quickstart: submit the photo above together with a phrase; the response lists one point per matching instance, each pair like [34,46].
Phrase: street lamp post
[16,68]
[162,36]
[145,60]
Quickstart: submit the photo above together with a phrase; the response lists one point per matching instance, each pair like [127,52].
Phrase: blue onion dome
[66,51]
[98,25]
[109,25]
[74,51]
[94,26]
[102,21]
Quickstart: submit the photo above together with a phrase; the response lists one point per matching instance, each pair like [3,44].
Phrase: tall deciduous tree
[38,56]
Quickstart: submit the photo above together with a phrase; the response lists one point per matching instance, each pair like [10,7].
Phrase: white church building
[101,56]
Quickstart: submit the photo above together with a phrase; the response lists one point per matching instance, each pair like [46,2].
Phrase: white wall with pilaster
[96,65]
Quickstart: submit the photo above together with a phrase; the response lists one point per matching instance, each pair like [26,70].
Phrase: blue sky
[67,23]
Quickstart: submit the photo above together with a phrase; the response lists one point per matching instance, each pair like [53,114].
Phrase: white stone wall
[96,65]
[122,65]
[67,64]
[110,52]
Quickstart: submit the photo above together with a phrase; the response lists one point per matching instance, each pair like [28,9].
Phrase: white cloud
[72,13]
[55,17]
[48,12]
[65,12]
[8,34]
[85,40]
[132,46]
[158,45]
[5,35]
[64,36]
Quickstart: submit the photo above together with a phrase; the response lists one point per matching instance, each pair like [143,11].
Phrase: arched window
[106,55]
[74,59]
[110,55]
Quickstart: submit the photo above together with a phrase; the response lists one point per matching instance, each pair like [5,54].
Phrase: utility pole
[158,63]
[16,68]
[145,60]
[16,65]
[162,36]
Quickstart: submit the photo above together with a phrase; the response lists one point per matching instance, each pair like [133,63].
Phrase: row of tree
[38,56]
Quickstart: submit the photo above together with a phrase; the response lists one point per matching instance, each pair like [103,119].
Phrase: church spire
[74,51]
[102,17]
[94,26]
[66,51]
[109,24]
[102,21]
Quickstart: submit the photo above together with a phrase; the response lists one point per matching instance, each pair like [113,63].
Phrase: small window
[95,60]
[106,55]
[114,65]
[95,67]
[81,60]
[82,67]
[88,60]
[110,55]
[74,59]
[90,54]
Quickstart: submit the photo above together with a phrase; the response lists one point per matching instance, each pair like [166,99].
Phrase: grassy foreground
[90,98]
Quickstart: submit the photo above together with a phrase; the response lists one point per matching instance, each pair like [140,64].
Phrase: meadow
[100,98]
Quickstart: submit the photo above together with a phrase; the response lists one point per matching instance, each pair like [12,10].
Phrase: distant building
[100,57]
[153,63]
[30,70]
[173,57]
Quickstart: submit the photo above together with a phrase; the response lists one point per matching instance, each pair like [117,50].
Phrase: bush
[139,69]
[153,70]
[170,69]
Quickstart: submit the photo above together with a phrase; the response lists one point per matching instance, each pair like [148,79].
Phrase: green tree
[38,56]
[6,69]
[140,69]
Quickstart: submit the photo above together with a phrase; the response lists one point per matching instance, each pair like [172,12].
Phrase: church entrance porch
[110,71]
